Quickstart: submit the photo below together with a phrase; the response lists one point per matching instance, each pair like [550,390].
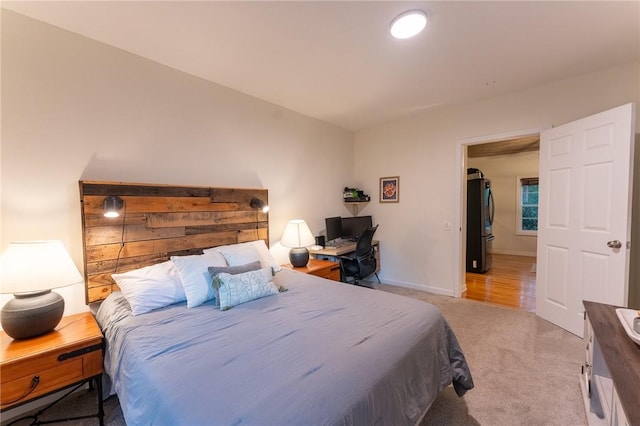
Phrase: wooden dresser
[321,268]
[611,370]
[70,355]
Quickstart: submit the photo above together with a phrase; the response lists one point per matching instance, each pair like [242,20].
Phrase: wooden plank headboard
[159,221]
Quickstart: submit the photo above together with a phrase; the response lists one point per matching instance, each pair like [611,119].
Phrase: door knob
[615,244]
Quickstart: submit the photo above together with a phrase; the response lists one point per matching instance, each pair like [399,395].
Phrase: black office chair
[361,263]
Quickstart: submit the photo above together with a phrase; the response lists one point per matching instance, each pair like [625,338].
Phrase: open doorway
[511,165]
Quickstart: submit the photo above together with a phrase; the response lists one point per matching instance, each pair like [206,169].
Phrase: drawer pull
[79,352]
[34,384]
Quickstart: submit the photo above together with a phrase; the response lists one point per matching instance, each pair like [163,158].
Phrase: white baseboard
[413,286]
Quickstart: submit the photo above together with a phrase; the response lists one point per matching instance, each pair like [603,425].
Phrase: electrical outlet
[446,226]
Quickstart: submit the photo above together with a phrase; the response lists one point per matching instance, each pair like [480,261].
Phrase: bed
[307,351]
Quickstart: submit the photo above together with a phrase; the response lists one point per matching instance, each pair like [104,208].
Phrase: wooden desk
[612,366]
[333,253]
[346,248]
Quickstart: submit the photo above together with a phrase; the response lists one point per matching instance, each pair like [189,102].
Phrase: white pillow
[241,288]
[194,274]
[151,287]
[241,253]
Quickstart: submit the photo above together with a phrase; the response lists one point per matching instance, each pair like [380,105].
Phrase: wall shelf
[354,206]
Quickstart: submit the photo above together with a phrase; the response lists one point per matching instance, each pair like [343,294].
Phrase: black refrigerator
[480,213]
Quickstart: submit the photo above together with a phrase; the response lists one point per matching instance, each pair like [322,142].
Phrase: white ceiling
[335,60]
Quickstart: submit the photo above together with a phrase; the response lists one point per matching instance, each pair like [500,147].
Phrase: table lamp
[298,237]
[29,270]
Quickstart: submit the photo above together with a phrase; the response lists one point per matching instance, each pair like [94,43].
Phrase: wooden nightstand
[321,268]
[70,355]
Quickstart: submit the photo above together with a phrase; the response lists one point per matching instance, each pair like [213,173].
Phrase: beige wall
[74,109]
[416,250]
[504,172]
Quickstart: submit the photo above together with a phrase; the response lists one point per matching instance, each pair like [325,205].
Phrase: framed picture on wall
[390,189]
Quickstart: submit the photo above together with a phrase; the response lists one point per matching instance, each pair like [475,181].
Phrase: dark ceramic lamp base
[299,257]
[32,314]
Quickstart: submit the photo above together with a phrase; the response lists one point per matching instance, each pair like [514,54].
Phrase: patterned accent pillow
[236,289]
[233,270]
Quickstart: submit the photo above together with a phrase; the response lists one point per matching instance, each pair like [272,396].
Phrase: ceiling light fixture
[408,24]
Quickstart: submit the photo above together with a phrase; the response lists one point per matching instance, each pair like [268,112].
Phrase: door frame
[460,243]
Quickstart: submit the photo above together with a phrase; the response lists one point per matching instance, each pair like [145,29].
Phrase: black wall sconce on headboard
[258,204]
[112,205]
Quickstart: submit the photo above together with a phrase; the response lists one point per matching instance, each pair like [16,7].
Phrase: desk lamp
[29,270]
[298,237]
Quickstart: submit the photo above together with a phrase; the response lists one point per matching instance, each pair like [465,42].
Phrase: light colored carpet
[525,369]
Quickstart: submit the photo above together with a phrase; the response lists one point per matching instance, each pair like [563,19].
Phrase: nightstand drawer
[89,353]
[320,268]
[51,379]
[79,362]
[332,273]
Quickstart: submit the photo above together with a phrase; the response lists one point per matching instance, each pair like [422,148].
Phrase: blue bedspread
[321,353]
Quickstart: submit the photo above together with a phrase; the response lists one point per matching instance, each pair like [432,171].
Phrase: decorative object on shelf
[354,195]
[30,269]
[298,237]
[390,189]
[258,204]
[112,205]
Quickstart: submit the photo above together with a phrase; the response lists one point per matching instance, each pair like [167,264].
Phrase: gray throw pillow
[232,270]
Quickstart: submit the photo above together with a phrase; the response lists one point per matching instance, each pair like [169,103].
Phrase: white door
[584,220]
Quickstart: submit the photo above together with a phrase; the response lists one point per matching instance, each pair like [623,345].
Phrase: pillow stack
[230,275]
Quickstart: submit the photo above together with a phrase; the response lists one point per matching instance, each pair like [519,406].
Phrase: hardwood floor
[511,281]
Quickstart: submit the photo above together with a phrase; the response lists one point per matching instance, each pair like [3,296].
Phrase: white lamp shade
[28,266]
[297,234]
